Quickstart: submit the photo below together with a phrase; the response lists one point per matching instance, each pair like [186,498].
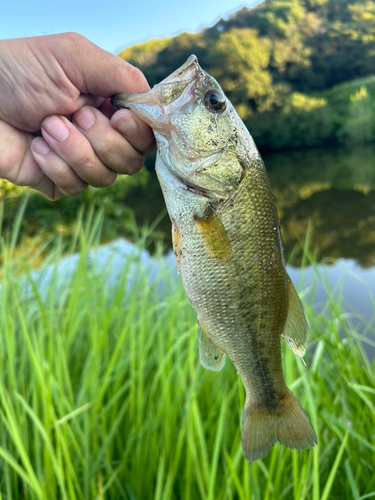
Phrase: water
[329,191]
[332,190]
[347,283]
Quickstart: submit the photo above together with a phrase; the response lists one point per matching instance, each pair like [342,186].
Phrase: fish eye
[214,100]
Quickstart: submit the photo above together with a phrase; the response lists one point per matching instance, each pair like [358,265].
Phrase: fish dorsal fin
[210,356]
[296,330]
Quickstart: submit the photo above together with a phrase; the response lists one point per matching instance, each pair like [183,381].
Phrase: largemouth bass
[228,248]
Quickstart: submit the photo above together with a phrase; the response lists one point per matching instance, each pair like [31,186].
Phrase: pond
[331,191]
[326,193]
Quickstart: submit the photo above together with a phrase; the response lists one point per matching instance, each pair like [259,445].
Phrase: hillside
[283,65]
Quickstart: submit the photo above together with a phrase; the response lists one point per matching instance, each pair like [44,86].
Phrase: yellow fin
[296,330]
[177,247]
[210,356]
[214,236]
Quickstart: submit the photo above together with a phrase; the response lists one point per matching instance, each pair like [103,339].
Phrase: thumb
[93,70]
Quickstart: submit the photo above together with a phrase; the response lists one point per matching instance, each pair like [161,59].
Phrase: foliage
[60,217]
[240,61]
[267,57]
[102,397]
[344,114]
[360,124]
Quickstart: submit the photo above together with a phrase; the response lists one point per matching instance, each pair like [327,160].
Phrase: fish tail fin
[287,423]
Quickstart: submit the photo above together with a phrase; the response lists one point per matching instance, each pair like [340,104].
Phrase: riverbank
[102,393]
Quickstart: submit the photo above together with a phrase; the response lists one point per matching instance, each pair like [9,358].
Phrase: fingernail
[84,118]
[40,146]
[125,123]
[56,128]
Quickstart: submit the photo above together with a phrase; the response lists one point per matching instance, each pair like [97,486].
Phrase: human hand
[58,86]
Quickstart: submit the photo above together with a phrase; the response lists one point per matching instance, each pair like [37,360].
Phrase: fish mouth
[145,105]
[156,106]
[189,70]
[127,101]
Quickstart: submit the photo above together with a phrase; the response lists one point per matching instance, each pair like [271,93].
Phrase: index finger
[135,131]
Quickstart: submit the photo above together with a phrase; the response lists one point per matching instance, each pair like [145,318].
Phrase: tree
[240,60]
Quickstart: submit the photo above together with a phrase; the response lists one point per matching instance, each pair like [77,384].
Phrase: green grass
[102,397]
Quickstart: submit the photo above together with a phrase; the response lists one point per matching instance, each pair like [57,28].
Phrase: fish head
[198,132]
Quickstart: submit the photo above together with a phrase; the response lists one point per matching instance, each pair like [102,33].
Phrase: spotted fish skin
[228,249]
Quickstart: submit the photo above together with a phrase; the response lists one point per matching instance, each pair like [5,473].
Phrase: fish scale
[228,249]
[252,312]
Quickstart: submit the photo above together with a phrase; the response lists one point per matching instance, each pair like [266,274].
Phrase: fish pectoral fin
[177,246]
[296,330]
[214,236]
[210,356]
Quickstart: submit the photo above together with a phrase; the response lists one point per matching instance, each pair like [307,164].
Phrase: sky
[112,24]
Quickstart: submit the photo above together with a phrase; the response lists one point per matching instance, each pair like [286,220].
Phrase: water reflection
[333,189]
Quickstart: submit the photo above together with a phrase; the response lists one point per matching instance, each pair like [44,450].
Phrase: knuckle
[136,164]
[111,148]
[84,161]
[65,177]
[13,155]
[150,147]
[8,162]
[138,77]
[73,38]
[67,41]
[93,171]
[113,152]
[109,179]
[73,189]
[103,179]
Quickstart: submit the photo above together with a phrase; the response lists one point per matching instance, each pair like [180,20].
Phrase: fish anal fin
[210,356]
[214,236]
[296,330]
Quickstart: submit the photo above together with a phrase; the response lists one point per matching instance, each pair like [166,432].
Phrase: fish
[228,247]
